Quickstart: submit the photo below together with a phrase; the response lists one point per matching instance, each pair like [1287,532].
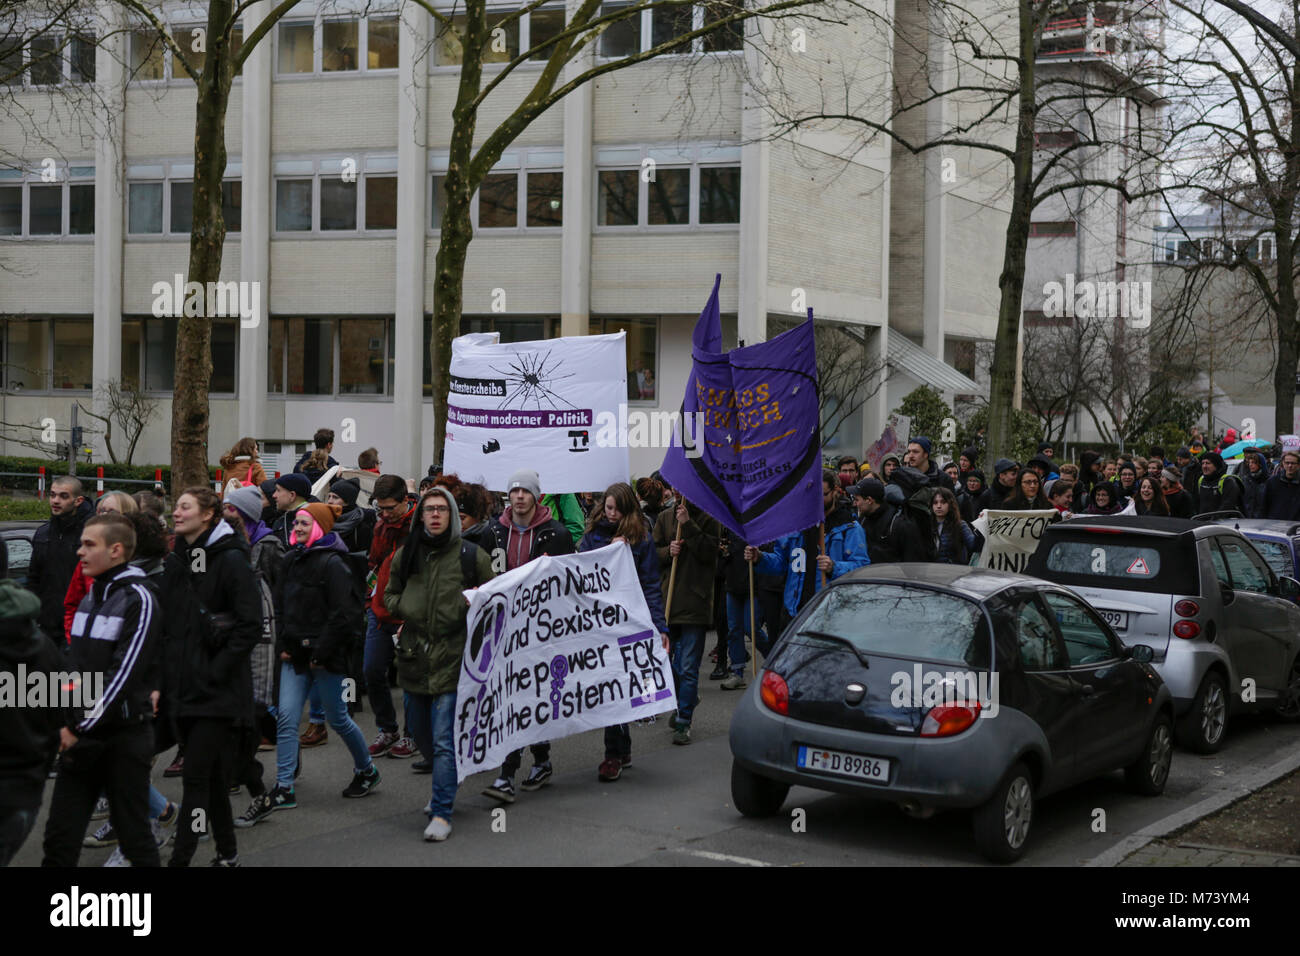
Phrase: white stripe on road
[724,858]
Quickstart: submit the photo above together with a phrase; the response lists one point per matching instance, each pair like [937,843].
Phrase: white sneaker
[118,858]
[437,830]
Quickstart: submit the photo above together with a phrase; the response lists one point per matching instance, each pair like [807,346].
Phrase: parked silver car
[1225,628]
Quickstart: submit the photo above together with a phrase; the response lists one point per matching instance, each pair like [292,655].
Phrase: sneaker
[265,745]
[718,673]
[383,743]
[314,736]
[225,861]
[118,858]
[437,830]
[101,809]
[422,766]
[403,748]
[281,799]
[734,682]
[161,833]
[176,767]
[169,815]
[502,789]
[610,769]
[682,735]
[538,777]
[626,761]
[363,782]
[104,836]
[257,811]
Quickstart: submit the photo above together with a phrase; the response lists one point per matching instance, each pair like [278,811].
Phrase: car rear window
[1276,554]
[1123,562]
[903,621]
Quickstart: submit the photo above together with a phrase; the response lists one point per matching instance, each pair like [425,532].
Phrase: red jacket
[388,537]
[78,588]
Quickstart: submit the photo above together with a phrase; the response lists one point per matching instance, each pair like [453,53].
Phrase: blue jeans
[157,803]
[431,719]
[738,629]
[686,643]
[375,662]
[317,712]
[294,688]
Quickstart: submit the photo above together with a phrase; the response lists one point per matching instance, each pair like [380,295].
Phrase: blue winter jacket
[646,558]
[846,544]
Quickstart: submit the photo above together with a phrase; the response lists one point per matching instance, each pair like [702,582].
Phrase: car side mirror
[1142,653]
[1288,588]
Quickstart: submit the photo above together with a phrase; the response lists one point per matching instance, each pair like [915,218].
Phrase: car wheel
[1288,705]
[1002,825]
[756,796]
[1204,725]
[1150,772]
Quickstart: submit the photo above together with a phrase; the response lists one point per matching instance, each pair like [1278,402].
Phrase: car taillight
[775,693]
[1187,609]
[1187,629]
[948,719]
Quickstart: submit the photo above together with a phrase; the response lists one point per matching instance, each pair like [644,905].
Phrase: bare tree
[128,408]
[1063,370]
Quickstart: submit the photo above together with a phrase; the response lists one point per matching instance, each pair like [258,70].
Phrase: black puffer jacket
[316,606]
[212,619]
[30,735]
[54,556]
[1253,500]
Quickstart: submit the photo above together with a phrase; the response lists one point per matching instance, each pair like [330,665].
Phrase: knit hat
[1042,462]
[347,489]
[323,514]
[923,442]
[1183,452]
[295,482]
[1004,464]
[16,601]
[869,488]
[1215,458]
[971,453]
[1171,476]
[526,479]
[247,501]
[1044,445]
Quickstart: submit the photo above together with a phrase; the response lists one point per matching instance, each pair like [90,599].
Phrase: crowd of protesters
[216,630]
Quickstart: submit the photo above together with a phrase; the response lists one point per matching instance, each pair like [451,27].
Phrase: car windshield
[1277,554]
[902,621]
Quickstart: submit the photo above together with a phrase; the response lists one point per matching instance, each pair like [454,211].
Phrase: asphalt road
[673,808]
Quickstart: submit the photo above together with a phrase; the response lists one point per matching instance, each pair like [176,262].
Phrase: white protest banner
[1010,537]
[555,647]
[550,405]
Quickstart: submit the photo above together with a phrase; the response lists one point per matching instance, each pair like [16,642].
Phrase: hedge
[85,471]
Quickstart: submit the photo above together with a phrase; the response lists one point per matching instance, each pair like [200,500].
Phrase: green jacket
[692,597]
[569,512]
[433,611]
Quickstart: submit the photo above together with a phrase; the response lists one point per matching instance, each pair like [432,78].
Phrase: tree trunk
[457,230]
[193,373]
[1288,330]
[1002,386]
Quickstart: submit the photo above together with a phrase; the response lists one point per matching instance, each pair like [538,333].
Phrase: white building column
[755,157]
[936,200]
[110,200]
[579,197]
[413,205]
[255,227]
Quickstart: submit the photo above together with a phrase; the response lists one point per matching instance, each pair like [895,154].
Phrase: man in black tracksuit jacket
[109,748]
[54,554]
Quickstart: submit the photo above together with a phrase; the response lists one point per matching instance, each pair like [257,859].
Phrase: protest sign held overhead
[755,464]
[546,403]
[557,646]
[1010,537]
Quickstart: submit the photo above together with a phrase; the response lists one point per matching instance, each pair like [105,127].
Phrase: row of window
[1215,250]
[356,44]
[317,356]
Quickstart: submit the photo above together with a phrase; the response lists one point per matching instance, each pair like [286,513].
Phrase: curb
[1197,811]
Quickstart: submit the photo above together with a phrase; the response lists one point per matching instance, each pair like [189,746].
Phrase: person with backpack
[316,606]
[428,575]
[1216,490]
[620,521]
[355,527]
[212,620]
[955,541]
[845,551]
[240,466]
[319,460]
[888,534]
[918,457]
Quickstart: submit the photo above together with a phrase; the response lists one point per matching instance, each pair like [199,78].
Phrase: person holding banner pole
[687,536]
[620,521]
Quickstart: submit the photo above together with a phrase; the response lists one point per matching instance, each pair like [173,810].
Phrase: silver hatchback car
[1225,628]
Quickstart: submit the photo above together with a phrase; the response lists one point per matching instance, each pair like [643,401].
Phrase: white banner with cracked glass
[550,405]
[555,647]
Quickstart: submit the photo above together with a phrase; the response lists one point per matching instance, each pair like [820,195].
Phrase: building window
[364,201]
[340,46]
[186,41]
[61,208]
[527,194]
[381,202]
[309,355]
[622,37]
[149,354]
[381,43]
[730,36]
[45,55]
[642,353]
[81,209]
[654,27]
[44,210]
[27,355]
[145,208]
[1052,229]
[293,205]
[669,195]
[82,59]
[545,199]
[338,204]
[500,46]
[151,206]
[544,25]
[295,48]
[148,56]
[74,354]
[439,200]
[498,201]
[669,22]
[616,199]
[1055,139]
[46,59]
[719,194]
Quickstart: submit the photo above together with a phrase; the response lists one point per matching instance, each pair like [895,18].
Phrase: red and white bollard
[99,481]
[40,483]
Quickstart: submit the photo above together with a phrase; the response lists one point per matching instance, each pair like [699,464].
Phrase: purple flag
[755,462]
